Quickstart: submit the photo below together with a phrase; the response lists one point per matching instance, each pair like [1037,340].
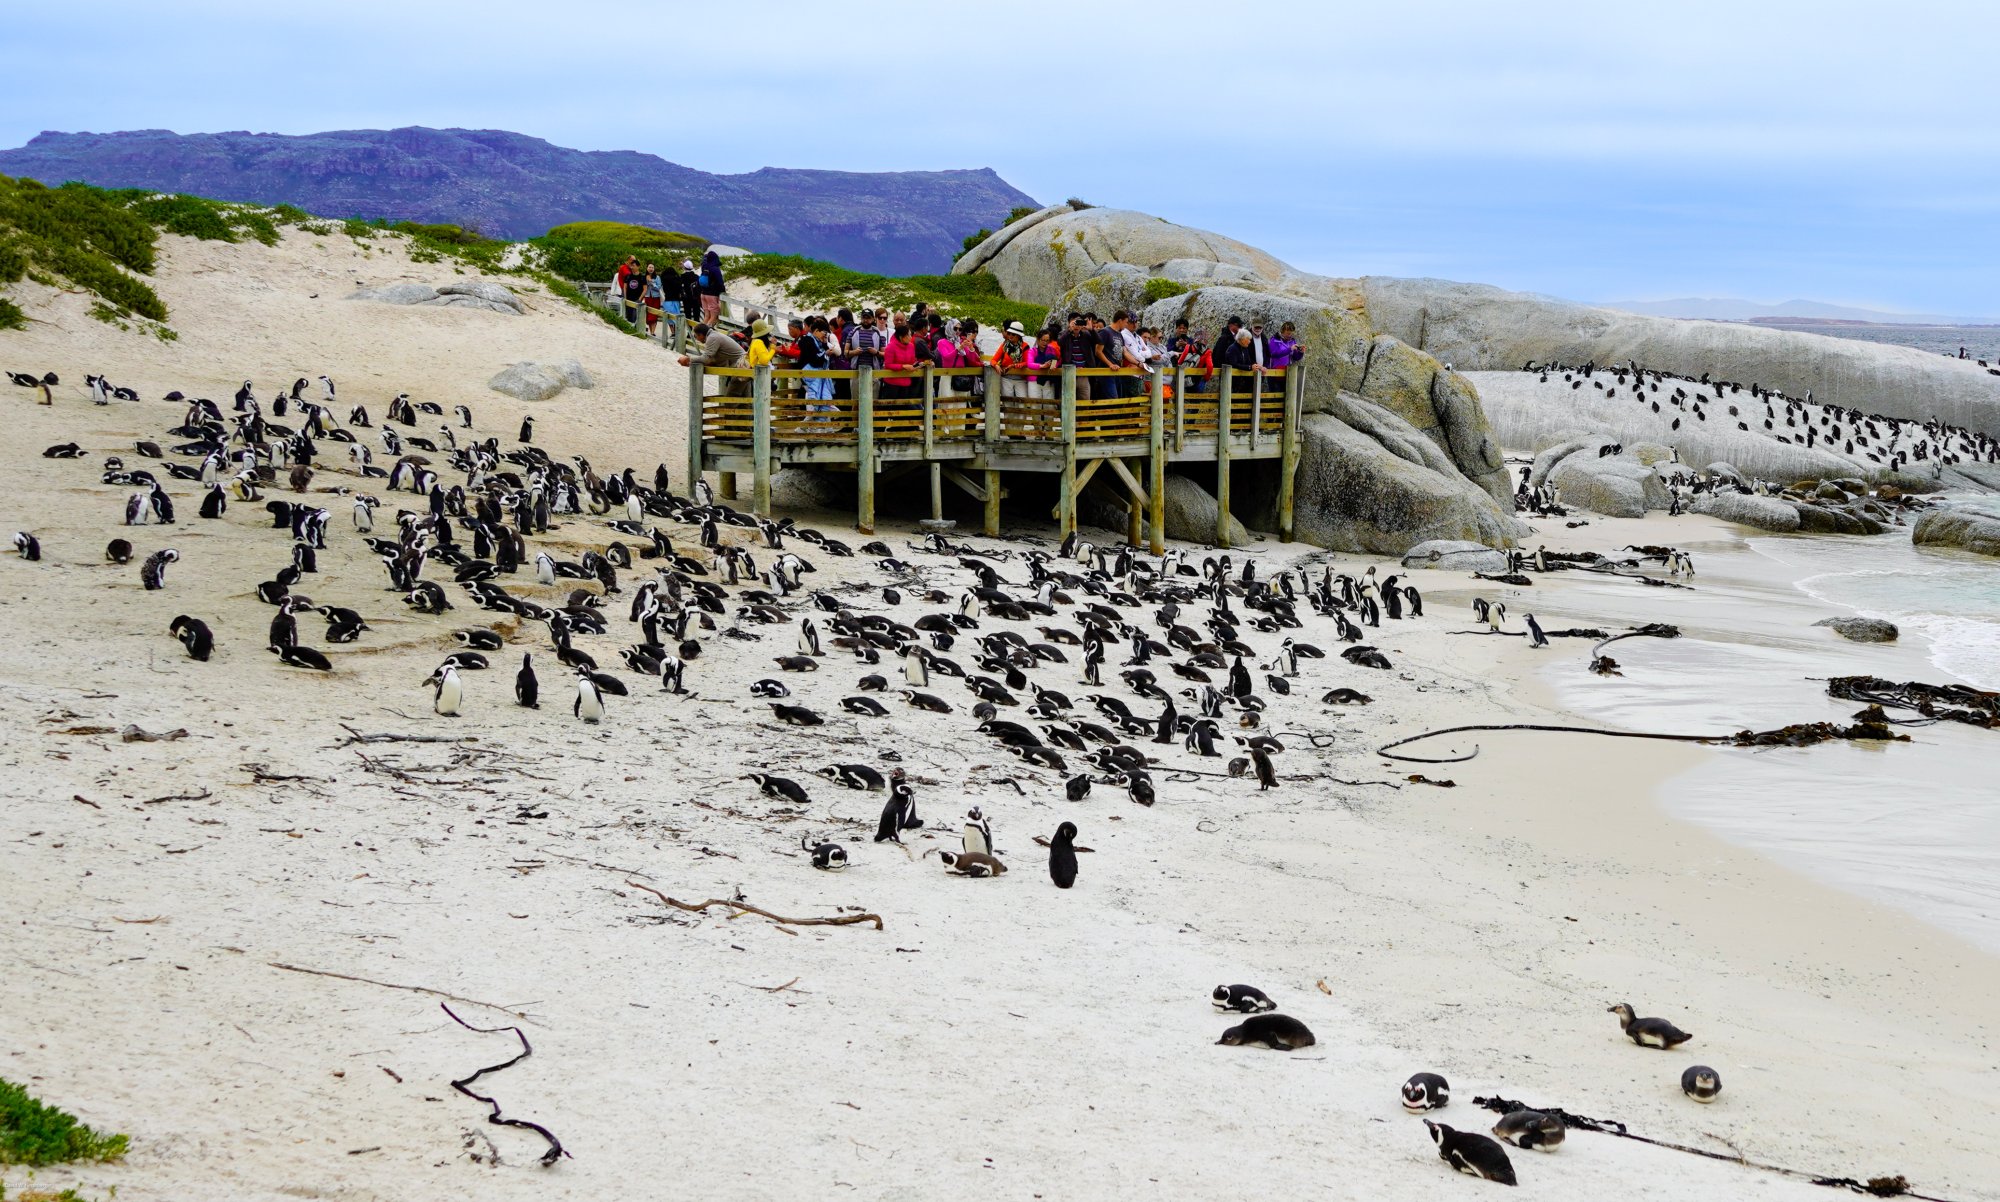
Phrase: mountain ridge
[516,186]
[1736,309]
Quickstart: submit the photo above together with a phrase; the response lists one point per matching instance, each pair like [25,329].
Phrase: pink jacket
[901,352]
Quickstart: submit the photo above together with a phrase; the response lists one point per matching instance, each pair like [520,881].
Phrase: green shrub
[971,240]
[829,286]
[33,1133]
[11,317]
[592,250]
[1159,289]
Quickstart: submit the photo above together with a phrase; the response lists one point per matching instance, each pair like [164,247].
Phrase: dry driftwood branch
[341,976]
[463,1085]
[354,736]
[745,908]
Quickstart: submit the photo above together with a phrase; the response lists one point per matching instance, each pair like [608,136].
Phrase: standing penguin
[28,545]
[589,704]
[194,635]
[1267,775]
[915,670]
[153,573]
[528,429]
[1062,856]
[527,690]
[449,691]
[1535,636]
[808,637]
[899,814]
[1239,679]
[978,833]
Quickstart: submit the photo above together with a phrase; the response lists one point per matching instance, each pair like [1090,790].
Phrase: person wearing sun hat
[1012,359]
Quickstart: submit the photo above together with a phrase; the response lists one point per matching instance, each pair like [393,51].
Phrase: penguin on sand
[1425,1091]
[589,703]
[28,546]
[1535,636]
[449,692]
[1648,1032]
[1078,787]
[1062,856]
[1278,1032]
[1244,999]
[1531,1129]
[153,573]
[978,833]
[1267,775]
[1470,1152]
[1701,1083]
[899,814]
[971,864]
[194,635]
[527,689]
[827,857]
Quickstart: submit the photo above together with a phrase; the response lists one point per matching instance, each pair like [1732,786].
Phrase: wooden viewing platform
[971,439]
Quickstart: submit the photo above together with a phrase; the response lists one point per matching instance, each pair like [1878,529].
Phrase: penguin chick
[1531,1129]
[1701,1083]
[971,863]
[1648,1032]
[1278,1032]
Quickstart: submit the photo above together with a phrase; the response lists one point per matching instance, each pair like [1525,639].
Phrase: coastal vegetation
[828,285]
[592,250]
[982,234]
[34,1133]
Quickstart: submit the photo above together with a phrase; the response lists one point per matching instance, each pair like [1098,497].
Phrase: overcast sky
[1766,149]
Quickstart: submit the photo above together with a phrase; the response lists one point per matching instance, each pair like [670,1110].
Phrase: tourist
[711,284]
[1178,345]
[1226,341]
[635,295]
[901,352]
[1077,347]
[1285,349]
[656,300]
[718,350]
[865,343]
[690,288]
[1013,359]
[759,351]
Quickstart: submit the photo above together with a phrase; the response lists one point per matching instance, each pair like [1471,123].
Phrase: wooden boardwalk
[970,439]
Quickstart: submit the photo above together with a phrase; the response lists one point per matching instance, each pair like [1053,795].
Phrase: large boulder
[1454,555]
[1765,513]
[1476,327]
[1189,508]
[397,294]
[574,375]
[1546,461]
[458,294]
[1042,257]
[1826,519]
[1353,493]
[1969,528]
[1614,486]
[527,381]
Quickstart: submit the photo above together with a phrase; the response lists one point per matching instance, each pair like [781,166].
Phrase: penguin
[925,701]
[527,689]
[1139,787]
[153,573]
[118,550]
[797,663]
[808,637]
[769,688]
[898,815]
[1701,1083]
[1648,1032]
[916,670]
[28,546]
[1470,1152]
[827,857]
[284,627]
[971,863]
[194,635]
[1535,636]
[795,715]
[1267,776]
[867,707]
[780,787]
[1531,1129]
[1243,999]
[1078,787]
[1062,856]
[589,703]
[302,657]
[527,429]
[449,692]
[481,640]
[978,833]
[855,776]
[1278,1032]
[1425,1091]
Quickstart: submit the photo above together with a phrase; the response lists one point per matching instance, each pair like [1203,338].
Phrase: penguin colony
[1027,629]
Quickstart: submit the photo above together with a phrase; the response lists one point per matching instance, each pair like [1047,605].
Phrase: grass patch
[11,317]
[830,286]
[34,1133]
[435,242]
[575,296]
[43,1195]
[1159,289]
[592,250]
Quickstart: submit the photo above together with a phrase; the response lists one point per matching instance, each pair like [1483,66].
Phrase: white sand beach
[997,1037]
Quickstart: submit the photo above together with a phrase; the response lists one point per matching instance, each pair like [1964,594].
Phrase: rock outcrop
[1451,555]
[1765,513]
[463,294]
[1862,630]
[1380,389]
[1969,528]
[528,381]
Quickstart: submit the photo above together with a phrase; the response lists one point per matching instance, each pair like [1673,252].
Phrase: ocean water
[1980,342]
[1915,825]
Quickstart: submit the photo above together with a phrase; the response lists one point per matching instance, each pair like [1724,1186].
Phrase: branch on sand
[354,736]
[341,976]
[745,908]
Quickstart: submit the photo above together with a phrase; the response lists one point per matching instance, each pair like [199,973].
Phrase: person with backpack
[711,284]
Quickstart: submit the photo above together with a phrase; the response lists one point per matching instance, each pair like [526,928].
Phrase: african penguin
[1701,1083]
[1530,1129]
[1244,999]
[1062,856]
[1425,1091]
[1470,1152]
[1278,1032]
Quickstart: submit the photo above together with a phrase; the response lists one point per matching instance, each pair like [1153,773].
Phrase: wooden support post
[694,428]
[937,491]
[1156,467]
[1288,448]
[930,411]
[1256,409]
[726,485]
[1066,504]
[760,442]
[1223,417]
[1180,409]
[864,447]
[991,437]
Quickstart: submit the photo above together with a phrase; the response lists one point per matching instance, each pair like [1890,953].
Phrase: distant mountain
[514,186]
[1731,309]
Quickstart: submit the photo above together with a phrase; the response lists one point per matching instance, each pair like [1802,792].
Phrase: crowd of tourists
[898,346]
[648,293]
